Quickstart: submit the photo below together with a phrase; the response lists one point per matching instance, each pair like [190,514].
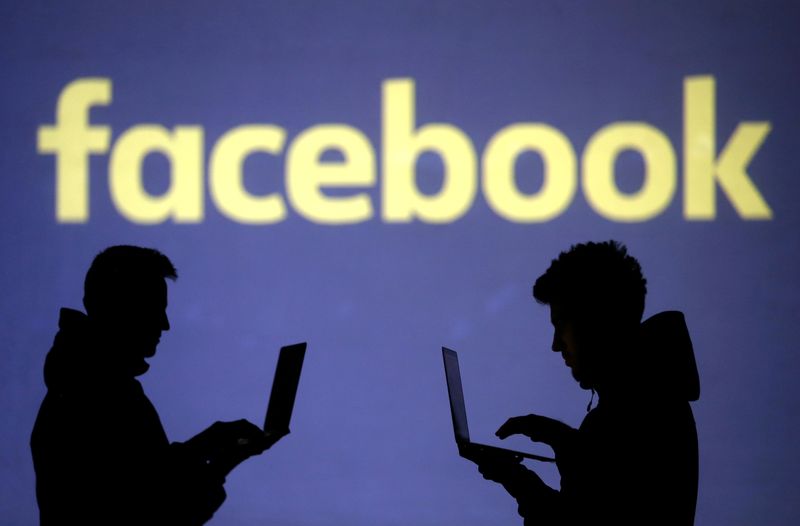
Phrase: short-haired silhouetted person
[100,453]
[634,458]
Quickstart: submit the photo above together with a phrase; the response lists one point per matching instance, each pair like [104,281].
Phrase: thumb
[510,427]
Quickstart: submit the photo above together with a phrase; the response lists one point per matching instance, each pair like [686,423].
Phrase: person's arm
[224,445]
[187,478]
[191,490]
[536,501]
[554,433]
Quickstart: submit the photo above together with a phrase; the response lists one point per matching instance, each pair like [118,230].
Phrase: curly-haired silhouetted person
[634,458]
[100,453]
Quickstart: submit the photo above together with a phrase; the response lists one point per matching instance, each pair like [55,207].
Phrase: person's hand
[537,428]
[224,445]
[504,468]
[222,437]
[273,436]
[493,465]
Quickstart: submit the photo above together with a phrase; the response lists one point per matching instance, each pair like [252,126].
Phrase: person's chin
[140,367]
[582,382]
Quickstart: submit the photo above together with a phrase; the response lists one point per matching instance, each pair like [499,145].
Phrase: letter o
[599,184]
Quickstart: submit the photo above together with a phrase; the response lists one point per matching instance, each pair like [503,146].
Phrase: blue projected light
[384,179]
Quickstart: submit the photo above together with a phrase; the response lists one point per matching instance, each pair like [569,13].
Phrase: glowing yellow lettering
[311,178]
[560,178]
[183,202]
[402,145]
[72,140]
[306,174]
[701,172]
[226,177]
[599,184]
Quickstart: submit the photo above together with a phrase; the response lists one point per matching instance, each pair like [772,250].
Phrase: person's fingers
[500,469]
[245,428]
[513,426]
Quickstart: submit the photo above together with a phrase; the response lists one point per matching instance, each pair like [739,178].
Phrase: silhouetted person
[634,458]
[99,450]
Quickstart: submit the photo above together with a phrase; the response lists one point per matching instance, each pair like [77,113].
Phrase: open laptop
[458,411]
[284,389]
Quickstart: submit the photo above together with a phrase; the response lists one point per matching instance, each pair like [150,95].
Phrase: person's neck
[111,353]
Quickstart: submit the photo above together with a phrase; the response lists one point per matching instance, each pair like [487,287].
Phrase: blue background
[372,441]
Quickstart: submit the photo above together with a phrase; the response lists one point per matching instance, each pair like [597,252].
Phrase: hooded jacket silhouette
[99,450]
[634,458]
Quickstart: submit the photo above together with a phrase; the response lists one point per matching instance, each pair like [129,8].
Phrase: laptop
[458,411]
[284,389]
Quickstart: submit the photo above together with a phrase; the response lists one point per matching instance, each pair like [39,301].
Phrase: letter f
[71,139]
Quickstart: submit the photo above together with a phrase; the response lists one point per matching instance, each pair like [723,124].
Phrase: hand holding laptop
[507,471]
[224,445]
[268,438]
[497,466]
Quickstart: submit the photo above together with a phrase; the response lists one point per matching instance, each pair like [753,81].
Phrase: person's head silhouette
[125,296]
[596,296]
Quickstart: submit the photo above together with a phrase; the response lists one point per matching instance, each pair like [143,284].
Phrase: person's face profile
[566,341]
[139,320]
[149,318]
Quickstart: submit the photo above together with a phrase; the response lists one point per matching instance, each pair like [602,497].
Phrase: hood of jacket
[666,356]
[77,358]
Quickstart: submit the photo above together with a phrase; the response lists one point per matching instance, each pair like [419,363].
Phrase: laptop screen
[457,407]
[284,388]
